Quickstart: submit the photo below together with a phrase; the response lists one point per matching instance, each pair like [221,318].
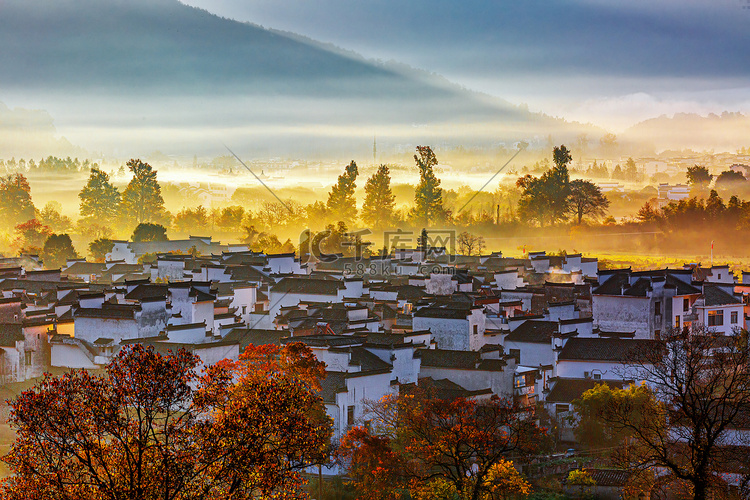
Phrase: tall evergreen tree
[341,201]
[558,183]
[141,200]
[547,199]
[428,196]
[377,210]
[15,200]
[100,200]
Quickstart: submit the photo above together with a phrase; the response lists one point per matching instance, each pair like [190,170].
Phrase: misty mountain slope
[24,133]
[728,131]
[111,66]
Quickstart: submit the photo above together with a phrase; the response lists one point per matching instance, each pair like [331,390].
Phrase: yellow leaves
[580,477]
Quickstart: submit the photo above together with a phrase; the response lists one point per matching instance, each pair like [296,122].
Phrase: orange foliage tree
[419,442]
[151,427]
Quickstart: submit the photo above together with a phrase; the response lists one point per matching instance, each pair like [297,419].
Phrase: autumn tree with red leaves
[419,442]
[151,427]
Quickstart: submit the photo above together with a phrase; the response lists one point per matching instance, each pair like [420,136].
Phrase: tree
[30,236]
[50,216]
[341,201]
[149,232]
[57,250]
[715,207]
[141,200]
[151,428]
[730,179]
[99,248]
[698,176]
[230,218]
[428,195]
[546,199]
[191,219]
[100,200]
[701,387]
[16,206]
[608,143]
[587,199]
[377,209]
[469,243]
[420,440]
[594,431]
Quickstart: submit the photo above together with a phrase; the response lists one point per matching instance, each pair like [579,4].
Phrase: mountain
[24,133]
[160,74]
[725,132]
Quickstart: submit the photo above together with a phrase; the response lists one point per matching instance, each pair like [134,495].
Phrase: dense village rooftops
[566,390]
[606,349]
[533,332]
[308,286]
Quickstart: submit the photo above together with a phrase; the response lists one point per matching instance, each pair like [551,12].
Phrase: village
[537,329]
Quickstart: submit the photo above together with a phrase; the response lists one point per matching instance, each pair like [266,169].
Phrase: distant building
[669,193]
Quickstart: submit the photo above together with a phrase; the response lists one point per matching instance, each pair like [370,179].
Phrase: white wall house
[457,328]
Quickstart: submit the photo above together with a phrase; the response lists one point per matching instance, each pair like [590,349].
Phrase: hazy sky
[611,62]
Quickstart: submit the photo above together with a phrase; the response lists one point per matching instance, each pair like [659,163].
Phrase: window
[597,376]
[476,329]
[350,416]
[561,408]
[27,358]
[733,319]
[657,334]
[716,318]
[685,305]
[516,353]
[677,321]
[657,308]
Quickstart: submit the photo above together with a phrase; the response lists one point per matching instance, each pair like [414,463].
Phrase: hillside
[725,132]
[105,69]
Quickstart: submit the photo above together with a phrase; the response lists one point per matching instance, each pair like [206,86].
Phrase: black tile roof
[606,349]
[254,336]
[534,332]
[566,390]
[332,384]
[715,296]
[367,361]
[10,333]
[442,312]
[308,286]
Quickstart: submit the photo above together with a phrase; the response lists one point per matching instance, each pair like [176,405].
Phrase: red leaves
[142,430]
[421,437]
